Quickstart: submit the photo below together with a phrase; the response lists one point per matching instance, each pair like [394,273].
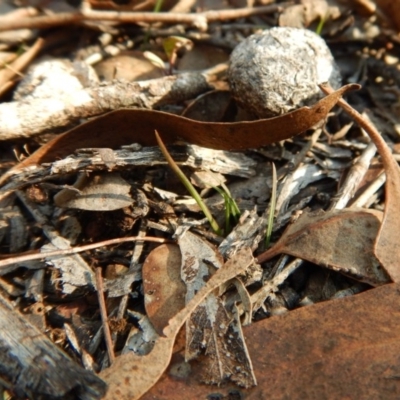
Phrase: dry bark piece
[131,376]
[340,240]
[31,366]
[222,136]
[345,348]
[278,70]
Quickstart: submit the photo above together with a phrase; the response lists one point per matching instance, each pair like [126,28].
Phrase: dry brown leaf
[138,126]
[304,14]
[386,246]
[131,376]
[341,240]
[129,66]
[99,192]
[164,290]
[211,328]
[342,349]
[392,11]
[201,57]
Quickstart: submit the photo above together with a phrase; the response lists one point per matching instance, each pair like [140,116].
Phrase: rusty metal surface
[343,349]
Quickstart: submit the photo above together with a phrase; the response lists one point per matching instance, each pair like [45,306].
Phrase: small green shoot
[272,205]
[231,208]
[158,5]
[321,24]
[190,188]
[171,45]
[157,8]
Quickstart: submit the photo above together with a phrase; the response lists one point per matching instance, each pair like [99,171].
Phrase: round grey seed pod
[278,70]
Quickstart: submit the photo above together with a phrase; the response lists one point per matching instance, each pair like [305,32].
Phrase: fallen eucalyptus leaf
[127,126]
[130,376]
[341,240]
[104,192]
[164,290]
[386,246]
[342,349]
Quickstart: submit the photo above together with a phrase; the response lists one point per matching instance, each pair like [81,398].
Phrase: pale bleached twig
[23,119]
[365,196]
[104,316]
[78,249]
[198,19]
[353,178]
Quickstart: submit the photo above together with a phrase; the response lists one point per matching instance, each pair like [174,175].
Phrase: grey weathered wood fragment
[31,366]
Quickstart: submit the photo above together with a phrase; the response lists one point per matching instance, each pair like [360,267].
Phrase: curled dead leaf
[386,246]
[342,240]
[127,126]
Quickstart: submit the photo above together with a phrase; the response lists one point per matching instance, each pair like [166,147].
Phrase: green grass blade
[189,187]
[272,206]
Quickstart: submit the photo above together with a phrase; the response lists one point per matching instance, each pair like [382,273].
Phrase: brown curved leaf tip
[386,246]
[127,126]
[341,240]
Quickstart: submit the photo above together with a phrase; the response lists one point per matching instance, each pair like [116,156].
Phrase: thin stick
[79,249]
[104,317]
[19,64]
[66,18]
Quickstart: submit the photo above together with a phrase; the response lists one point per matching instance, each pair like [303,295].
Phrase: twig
[103,313]
[7,74]
[353,178]
[19,119]
[198,19]
[78,249]
[365,197]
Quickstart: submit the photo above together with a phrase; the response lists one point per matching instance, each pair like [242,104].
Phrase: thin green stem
[272,206]
[158,5]
[190,188]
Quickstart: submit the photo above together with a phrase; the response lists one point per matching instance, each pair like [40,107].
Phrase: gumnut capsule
[278,70]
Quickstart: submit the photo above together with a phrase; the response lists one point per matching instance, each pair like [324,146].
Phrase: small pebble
[278,70]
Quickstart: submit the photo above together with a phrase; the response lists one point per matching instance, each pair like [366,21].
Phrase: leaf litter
[356,243]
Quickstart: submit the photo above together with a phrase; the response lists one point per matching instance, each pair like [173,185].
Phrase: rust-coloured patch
[343,349]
